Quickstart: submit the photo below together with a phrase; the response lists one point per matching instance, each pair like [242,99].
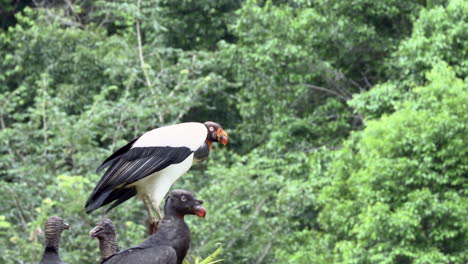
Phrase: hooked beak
[222,136]
[94,231]
[200,211]
[66,226]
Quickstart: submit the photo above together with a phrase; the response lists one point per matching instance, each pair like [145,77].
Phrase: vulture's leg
[158,212]
[153,224]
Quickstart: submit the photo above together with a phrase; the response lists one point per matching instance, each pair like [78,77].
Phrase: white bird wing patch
[191,135]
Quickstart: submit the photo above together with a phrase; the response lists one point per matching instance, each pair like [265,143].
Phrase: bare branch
[266,249]
[329,91]
[140,50]
[2,127]
[44,116]
[357,85]
[369,85]
[105,20]
[20,209]
[247,226]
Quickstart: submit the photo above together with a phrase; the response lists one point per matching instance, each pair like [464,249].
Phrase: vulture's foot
[153,226]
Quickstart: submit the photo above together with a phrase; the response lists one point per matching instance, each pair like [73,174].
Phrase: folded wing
[134,165]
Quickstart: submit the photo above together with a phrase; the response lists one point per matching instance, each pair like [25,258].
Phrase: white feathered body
[158,184]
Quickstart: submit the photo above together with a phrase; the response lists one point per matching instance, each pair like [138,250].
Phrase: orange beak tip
[222,136]
[224,140]
[200,211]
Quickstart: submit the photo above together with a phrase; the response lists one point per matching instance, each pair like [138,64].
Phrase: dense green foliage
[348,123]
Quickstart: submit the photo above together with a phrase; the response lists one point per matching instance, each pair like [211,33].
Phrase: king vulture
[149,164]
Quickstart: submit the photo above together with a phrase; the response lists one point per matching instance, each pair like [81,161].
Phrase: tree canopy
[348,123]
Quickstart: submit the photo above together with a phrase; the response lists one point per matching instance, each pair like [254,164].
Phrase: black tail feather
[94,203]
[125,194]
[120,194]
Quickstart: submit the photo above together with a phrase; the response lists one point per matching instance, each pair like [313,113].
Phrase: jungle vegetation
[347,121]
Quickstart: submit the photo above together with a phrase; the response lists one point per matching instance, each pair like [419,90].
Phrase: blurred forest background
[348,123]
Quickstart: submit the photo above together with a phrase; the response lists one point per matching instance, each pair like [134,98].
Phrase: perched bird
[148,165]
[171,243]
[106,233]
[53,231]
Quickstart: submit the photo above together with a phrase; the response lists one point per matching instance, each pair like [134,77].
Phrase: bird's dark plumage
[129,167]
[53,231]
[171,243]
[202,153]
[153,255]
[115,155]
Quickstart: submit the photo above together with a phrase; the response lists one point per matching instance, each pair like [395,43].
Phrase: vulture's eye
[211,129]
[183,198]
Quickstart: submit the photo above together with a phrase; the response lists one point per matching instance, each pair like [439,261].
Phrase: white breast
[158,184]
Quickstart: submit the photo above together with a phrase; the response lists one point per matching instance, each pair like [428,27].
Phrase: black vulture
[171,243]
[53,231]
[106,233]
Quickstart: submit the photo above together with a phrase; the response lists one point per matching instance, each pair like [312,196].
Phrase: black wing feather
[129,167]
[153,255]
[116,155]
[123,195]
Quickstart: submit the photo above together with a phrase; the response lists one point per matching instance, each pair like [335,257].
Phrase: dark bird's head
[103,229]
[106,233]
[216,133]
[53,230]
[183,202]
